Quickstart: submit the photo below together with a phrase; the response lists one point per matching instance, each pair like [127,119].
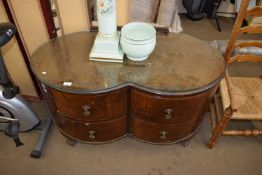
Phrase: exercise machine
[15,113]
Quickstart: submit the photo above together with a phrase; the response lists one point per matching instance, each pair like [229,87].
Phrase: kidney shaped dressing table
[160,100]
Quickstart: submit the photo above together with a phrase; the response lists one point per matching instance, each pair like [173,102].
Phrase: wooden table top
[180,64]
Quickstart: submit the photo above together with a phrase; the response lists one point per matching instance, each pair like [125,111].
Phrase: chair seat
[246,97]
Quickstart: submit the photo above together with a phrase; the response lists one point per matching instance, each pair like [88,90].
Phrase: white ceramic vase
[106,45]
[106,14]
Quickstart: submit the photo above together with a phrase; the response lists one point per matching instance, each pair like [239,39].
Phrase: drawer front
[161,133]
[166,109]
[88,108]
[92,132]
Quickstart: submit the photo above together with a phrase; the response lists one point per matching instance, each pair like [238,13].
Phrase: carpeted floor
[206,29]
[239,155]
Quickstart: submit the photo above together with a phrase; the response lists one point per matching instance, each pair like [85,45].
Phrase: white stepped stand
[106,46]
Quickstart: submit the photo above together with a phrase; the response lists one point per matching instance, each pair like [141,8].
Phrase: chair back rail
[251,29]
[256,11]
[248,44]
[246,57]
[237,30]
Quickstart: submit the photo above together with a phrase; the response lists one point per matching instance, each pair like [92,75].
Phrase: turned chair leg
[220,127]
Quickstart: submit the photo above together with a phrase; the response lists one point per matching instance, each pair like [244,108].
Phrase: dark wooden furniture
[160,100]
[241,94]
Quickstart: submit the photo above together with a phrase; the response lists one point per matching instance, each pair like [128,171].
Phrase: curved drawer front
[98,107]
[162,133]
[168,109]
[92,132]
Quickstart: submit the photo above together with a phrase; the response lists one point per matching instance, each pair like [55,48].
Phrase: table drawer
[88,108]
[161,133]
[168,109]
[92,132]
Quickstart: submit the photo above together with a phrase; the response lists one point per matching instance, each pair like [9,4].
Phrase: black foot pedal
[12,131]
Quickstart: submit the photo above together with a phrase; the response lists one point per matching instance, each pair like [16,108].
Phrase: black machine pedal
[12,131]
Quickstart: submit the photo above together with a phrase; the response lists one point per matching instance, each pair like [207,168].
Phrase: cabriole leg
[71,142]
[185,143]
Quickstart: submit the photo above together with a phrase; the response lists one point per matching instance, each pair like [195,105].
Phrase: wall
[123,11]
[30,22]
[15,62]
[73,15]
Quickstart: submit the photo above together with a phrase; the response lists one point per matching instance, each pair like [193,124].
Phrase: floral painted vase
[106,14]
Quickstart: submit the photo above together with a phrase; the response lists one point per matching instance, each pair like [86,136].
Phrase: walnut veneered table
[160,100]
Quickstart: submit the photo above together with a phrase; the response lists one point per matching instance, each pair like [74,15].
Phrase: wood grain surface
[92,132]
[128,111]
[105,106]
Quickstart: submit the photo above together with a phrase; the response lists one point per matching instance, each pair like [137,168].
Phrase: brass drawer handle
[92,134]
[168,113]
[86,109]
[163,135]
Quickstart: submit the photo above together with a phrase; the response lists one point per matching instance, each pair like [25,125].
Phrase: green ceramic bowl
[138,40]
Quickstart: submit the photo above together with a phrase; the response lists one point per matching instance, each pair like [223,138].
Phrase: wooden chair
[241,97]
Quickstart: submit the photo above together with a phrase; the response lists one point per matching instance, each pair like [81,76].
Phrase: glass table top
[179,63]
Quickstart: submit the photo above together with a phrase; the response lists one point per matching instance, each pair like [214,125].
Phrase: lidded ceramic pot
[138,40]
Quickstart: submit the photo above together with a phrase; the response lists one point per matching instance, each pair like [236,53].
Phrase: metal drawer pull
[86,109]
[168,113]
[92,134]
[163,135]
